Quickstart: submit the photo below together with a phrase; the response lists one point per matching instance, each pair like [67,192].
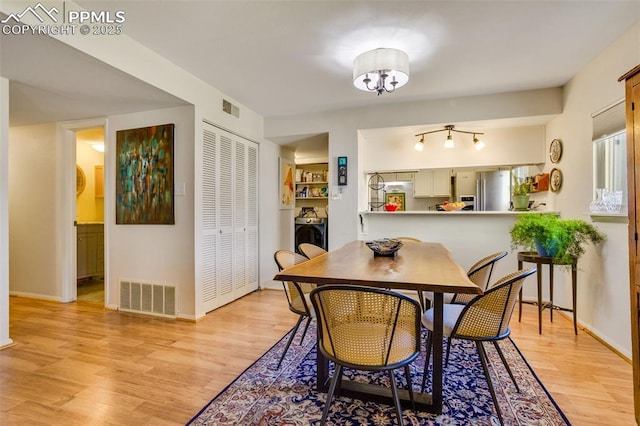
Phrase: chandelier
[381,70]
[448,143]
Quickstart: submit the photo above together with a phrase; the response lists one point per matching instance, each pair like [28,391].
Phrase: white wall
[603,278]
[34,179]
[155,253]
[343,126]
[4,213]
[505,146]
[603,282]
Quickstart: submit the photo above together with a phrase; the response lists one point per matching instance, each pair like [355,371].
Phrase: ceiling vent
[230,108]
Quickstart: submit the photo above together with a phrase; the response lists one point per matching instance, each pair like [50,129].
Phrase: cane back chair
[367,328]
[297,295]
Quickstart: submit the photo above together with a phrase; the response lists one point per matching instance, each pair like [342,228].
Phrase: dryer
[311,230]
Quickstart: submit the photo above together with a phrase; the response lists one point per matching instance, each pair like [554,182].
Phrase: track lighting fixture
[448,143]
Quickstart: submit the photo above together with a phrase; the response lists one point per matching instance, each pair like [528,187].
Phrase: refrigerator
[493,191]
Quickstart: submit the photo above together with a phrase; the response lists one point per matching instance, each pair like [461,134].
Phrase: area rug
[263,395]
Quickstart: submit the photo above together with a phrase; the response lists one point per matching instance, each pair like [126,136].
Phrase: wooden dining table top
[424,266]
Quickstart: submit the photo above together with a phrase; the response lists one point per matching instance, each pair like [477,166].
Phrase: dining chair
[367,328]
[297,295]
[484,319]
[480,273]
[310,250]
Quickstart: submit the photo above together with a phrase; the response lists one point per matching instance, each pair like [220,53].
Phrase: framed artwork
[286,184]
[342,171]
[397,198]
[144,170]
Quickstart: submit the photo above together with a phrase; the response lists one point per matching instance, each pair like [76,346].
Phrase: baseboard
[598,338]
[35,296]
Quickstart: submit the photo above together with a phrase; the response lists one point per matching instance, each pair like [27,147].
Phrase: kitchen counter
[458,213]
[470,235]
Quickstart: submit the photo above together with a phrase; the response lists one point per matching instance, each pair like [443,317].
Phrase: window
[610,161]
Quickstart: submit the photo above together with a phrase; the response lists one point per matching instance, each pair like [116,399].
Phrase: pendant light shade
[381,70]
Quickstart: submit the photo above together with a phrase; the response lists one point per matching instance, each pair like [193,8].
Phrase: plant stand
[533,257]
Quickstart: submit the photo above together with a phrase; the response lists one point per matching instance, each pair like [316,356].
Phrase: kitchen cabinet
[432,183]
[89,250]
[228,255]
[397,177]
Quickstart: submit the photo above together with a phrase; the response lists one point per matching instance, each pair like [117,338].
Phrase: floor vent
[148,298]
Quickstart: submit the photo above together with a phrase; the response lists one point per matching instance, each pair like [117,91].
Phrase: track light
[477,143]
[448,143]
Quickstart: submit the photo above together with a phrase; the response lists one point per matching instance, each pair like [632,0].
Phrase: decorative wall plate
[81,180]
[555,180]
[555,150]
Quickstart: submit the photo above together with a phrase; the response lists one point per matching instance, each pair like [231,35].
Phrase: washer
[311,230]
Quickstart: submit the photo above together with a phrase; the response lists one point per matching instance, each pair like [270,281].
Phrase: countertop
[459,213]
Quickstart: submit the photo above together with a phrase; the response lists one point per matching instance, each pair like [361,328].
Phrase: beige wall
[89,206]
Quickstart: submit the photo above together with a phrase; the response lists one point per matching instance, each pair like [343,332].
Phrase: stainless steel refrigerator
[493,190]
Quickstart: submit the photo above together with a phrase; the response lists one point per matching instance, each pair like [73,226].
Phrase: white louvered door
[229,217]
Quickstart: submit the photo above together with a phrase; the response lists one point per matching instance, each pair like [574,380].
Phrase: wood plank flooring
[79,364]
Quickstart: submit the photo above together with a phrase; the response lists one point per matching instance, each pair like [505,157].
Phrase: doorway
[90,215]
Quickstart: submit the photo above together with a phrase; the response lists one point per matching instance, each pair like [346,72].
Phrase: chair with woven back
[367,328]
[480,273]
[297,295]
[485,318]
[310,250]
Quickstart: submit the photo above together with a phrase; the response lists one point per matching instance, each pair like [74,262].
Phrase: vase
[521,202]
[549,251]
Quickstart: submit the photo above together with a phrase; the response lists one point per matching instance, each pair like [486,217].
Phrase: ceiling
[292,57]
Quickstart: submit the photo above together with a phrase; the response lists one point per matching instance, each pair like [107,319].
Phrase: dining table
[416,266]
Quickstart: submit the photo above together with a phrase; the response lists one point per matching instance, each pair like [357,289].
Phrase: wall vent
[230,108]
[148,298]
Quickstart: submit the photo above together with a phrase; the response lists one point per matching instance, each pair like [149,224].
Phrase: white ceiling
[291,57]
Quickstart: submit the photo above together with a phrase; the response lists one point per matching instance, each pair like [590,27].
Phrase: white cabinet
[229,216]
[397,177]
[432,183]
[465,183]
[89,250]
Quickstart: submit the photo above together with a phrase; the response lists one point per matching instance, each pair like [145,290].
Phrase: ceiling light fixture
[448,143]
[381,70]
[98,147]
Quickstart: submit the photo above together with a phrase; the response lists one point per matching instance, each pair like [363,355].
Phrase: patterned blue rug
[264,395]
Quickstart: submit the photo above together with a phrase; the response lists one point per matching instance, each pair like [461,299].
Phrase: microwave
[469,201]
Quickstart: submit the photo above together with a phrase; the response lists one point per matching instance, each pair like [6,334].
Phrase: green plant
[551,233]
[520,186]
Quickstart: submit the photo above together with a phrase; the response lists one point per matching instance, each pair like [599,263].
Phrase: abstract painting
[144,175]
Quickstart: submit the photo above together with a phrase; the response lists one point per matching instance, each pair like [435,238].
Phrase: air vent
[230,108]
[148,298]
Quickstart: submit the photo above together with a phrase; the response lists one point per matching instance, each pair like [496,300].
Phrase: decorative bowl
[453,207]
[384,247]
[391,207]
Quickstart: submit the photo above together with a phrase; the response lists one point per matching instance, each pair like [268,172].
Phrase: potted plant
[551,236]
[520,190]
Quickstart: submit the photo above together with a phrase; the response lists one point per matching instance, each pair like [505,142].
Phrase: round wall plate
[81,180]
[555,180]
[555,150]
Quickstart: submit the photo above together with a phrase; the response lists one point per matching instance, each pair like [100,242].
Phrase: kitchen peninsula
[470,235]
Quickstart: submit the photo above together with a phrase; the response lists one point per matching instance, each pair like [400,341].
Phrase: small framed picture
[396,198]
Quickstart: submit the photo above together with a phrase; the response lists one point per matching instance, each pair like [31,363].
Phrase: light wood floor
[78,364]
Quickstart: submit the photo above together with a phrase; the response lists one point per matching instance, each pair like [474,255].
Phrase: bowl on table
[453,207]
[385,246]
